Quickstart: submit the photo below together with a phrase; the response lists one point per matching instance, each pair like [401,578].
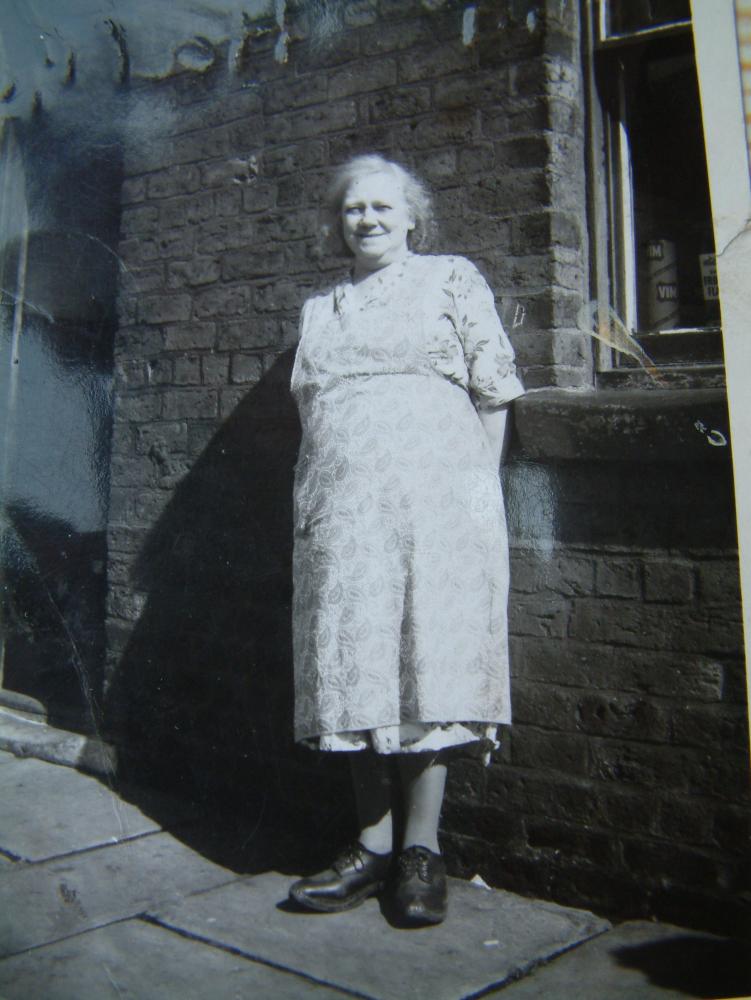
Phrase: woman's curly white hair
[416,194]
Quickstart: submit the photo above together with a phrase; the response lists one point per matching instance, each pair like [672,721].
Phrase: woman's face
[376,220]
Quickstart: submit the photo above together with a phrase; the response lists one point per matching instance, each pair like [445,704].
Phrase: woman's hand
[496,426]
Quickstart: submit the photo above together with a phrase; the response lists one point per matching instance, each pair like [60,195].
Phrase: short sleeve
[488,353]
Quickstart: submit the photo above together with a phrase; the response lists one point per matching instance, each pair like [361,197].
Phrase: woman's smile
[376,221]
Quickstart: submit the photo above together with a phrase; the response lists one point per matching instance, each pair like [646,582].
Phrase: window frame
[611,206]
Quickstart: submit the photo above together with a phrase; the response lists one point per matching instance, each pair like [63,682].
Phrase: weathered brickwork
[627,759]
[610,790]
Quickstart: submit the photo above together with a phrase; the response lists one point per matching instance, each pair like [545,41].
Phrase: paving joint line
[258,959]
[521,972]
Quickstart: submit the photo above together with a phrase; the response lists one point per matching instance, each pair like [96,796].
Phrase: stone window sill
[610,425]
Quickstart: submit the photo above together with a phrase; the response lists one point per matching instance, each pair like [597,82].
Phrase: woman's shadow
[200,698]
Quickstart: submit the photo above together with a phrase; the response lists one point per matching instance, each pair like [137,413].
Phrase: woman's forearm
[495,424]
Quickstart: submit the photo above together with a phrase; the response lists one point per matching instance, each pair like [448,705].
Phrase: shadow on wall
[200,704]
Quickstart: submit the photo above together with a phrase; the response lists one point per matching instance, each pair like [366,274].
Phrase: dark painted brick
[535,748]
[227,201]
[237,170]
[471,91]
[535,617]
[200,433]
[522,151]
[229,300]
[448,129]
[248,333]
[143,279]
[622,716]
[184,210]
[217,235]
[188,370]
[398,102]
[362,77]
[131,374]
[246,368]
[164,308]
[685,820]
[731,828]
[281,160]
[280,295]
[229,399]
[680,864]
[669,582]
[159,371]
[360,13]
[189,336]
[597,848]
[295,93]
[311,122]
[434,61]
[215,369]
[251,264]
[390,36]
[199,271]
[165,436]
[719,582]
[149,505]
[374,138]
[139,406]
[138,341]
[618,578]
[256,197]
[141,220]
[190,403]
[710,726]
[175,180]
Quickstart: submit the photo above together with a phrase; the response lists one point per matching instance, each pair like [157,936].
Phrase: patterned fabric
[400,555]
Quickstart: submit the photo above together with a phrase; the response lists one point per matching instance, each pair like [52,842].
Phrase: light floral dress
[400,549]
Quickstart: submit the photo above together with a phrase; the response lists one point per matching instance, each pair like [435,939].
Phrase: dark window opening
[660,246]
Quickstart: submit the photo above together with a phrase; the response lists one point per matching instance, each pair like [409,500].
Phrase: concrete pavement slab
[49,810]
[134,960]
[32,737]
[645,960]
[488,938]
[52,900]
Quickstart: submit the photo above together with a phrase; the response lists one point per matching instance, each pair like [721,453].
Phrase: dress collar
[376,283]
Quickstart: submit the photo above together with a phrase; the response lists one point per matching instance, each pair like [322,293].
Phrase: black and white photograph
[375,499]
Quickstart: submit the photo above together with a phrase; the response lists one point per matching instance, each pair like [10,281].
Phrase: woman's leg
[361,870]
[423,780]
[420,886]
[372,781]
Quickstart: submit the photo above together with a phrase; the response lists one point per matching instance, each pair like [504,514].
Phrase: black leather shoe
[356,874]
[420,890]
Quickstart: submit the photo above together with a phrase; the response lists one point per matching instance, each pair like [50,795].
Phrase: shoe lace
[350,856]
[415,862]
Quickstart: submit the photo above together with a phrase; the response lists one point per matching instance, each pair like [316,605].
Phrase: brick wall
[219,238]
[624,778]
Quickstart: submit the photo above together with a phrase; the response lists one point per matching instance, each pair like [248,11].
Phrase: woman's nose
[368,216]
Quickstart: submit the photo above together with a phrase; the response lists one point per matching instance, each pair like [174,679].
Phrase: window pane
[672,215]
[636,15]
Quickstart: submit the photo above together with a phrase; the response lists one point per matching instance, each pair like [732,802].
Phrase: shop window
[652,220]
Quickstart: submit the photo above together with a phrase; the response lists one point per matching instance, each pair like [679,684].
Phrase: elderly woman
[403,377]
